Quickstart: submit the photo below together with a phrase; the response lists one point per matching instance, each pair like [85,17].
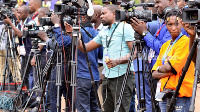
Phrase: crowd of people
[167,43]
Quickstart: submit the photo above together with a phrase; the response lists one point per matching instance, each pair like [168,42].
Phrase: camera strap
[108,43]
[166,83]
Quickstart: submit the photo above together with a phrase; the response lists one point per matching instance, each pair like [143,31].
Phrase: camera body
[191,14]
[31,31]
[69,10]
[126,15]
[6,8]
[166,93]
[46,21]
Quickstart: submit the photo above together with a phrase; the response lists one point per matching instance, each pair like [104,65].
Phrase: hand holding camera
[68,28]
[42,35]
[188,28]
[55,19]
[7,20]
[138,26]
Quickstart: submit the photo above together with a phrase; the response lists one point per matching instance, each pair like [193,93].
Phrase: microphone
[90,11]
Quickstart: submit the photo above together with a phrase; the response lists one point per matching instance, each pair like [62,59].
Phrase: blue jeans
[182,104]
[85,96]
[132,104]
[147,90]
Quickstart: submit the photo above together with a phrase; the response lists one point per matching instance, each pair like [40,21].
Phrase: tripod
[73,67]
[170,107]
[39,85]
[10,49]
[139,44]
[73,64]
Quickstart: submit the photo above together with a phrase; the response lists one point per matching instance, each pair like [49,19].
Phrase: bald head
[25,9]
[23,12]
[42,12]
[97,9]
[34,5]
[97,13]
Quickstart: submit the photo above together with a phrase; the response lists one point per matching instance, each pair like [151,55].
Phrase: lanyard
[22,27]
[160,29]
[168,49]
[34,16]
[108,43]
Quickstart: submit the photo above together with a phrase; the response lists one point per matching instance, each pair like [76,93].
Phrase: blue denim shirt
[152,27]
[82,69]
[61,39]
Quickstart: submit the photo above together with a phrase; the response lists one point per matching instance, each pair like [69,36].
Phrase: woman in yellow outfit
[170,62]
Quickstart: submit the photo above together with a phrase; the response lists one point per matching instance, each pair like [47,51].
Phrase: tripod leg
[28,101]
[197,70]
[58,78]
[125,78]
[23,78]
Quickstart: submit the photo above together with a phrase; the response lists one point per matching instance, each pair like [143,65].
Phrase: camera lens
[193,16]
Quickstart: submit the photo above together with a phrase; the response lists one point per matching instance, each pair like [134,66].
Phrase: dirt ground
[197,100]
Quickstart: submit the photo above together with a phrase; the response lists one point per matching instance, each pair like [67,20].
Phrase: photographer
[154,42]
[87,101]
[34,5]
[116,55]
[25,43]
[41,13]
[63,41]
[170,62]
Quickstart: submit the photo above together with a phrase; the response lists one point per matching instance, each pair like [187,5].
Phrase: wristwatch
[144,33]
[56,25]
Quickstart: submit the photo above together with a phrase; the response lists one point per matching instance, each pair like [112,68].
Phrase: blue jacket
[82,69]
[61,39]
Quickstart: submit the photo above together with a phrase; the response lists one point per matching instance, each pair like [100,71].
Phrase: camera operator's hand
[68,27]
[112,63]
[55,19]
[43,35]
[188,28]
[7,20]
[33,62]
[138,26]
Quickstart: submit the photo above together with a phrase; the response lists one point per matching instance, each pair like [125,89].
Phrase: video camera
[46,21]
[32,31]
[125,15]
[191,14]
[166,93]
[6,8]
[69,10]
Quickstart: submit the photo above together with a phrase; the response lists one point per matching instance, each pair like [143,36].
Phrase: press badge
[106,57]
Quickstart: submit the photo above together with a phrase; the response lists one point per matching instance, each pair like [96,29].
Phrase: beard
[104,23]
